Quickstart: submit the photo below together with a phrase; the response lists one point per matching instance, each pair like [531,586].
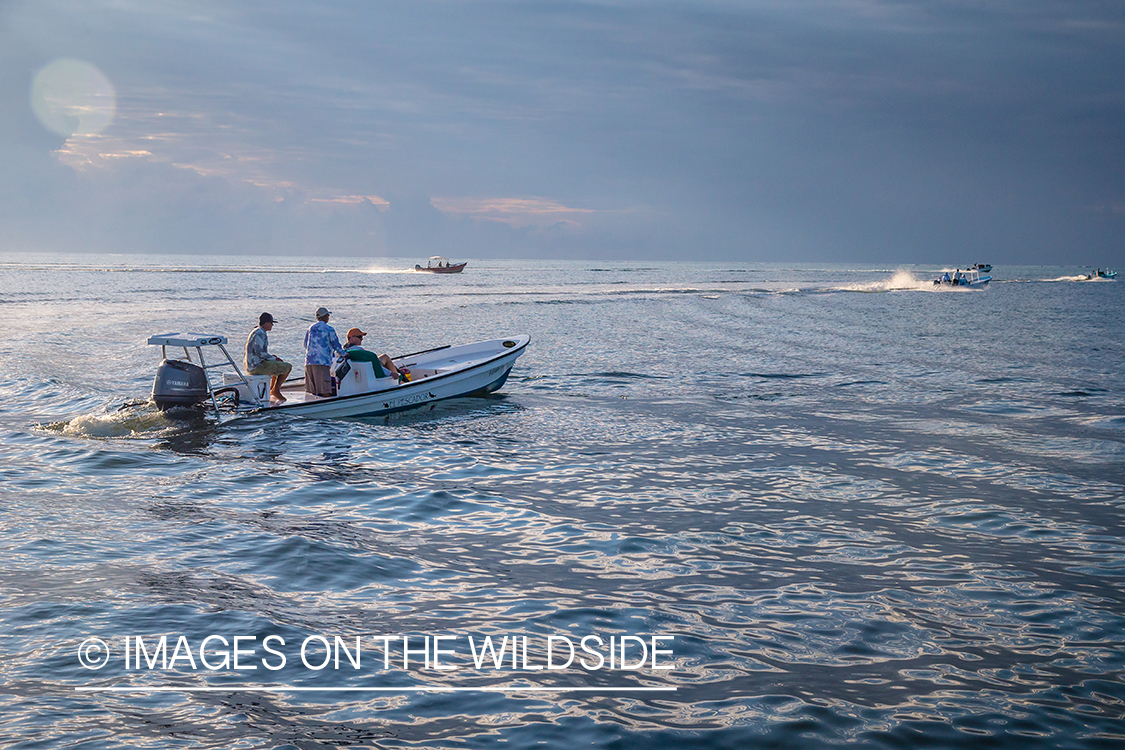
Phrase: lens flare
[72,97]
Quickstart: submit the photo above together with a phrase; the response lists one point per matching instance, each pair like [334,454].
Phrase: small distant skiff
[970,277]
[1100,274]
[438,264]
[436,374]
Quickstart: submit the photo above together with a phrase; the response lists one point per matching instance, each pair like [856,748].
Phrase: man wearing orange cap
[354,351]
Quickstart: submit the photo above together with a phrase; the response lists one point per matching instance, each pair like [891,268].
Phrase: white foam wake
[900,281]
[124,423]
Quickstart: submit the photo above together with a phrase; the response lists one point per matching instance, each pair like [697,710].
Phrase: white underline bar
[425,689]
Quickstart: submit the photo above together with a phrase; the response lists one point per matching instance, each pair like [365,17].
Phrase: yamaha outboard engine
[179,383]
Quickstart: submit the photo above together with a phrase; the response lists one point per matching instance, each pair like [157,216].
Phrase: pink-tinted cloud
[516,212]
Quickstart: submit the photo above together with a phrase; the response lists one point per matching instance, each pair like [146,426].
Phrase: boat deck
[295,393]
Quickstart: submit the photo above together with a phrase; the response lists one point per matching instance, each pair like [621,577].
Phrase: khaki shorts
[318,380]
[272,367]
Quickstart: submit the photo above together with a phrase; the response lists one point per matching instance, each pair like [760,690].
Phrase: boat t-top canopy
[186,339]
[438,257]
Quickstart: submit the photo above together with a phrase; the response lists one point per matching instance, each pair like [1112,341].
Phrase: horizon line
[412,689]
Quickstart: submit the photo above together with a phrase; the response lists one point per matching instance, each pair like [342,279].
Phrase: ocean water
[856,511]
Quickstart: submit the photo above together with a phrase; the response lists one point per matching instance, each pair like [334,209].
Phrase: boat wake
[901,281]
[381,270]
[129,421]
[1076,278]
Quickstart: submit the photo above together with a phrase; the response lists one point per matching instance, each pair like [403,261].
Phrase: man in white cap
[321,345]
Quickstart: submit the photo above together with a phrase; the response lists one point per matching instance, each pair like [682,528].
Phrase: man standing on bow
[321,345]
[259,361]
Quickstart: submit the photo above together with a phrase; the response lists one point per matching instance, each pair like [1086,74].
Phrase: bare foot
[277,397]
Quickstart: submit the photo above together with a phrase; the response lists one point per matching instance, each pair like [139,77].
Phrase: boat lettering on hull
[416,398]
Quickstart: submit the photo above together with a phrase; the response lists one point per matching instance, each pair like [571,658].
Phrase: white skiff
[437,374]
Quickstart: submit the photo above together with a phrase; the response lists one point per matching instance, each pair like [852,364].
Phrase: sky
[759,131]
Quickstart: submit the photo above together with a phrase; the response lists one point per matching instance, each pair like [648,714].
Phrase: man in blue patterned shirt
[321,345]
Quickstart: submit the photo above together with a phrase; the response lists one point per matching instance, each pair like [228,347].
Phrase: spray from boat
[133,420]
[900,281]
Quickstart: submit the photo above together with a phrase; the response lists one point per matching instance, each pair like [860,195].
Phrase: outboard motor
[179,383]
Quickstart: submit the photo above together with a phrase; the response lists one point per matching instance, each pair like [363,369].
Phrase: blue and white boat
[968,278]
[436,374]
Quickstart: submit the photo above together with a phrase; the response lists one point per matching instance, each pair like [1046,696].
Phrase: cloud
[516,212]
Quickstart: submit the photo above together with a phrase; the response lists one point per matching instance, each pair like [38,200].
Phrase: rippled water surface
[869,512]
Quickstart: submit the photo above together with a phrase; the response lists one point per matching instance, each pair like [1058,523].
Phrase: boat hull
[461,371]
[971,281]
[443,269]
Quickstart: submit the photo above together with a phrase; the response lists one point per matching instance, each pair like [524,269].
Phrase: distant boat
[438,264]
[970,277]
[983,267]
[1106,274]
